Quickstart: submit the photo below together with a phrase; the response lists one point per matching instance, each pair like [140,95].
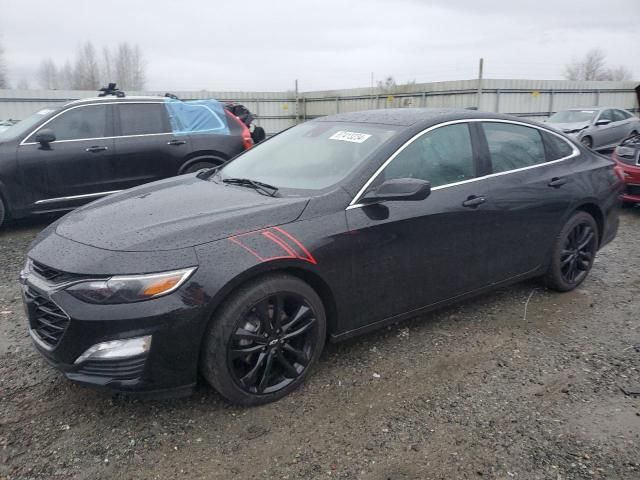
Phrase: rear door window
[513,146]
[142,118]
[556,147]
[618,116]
[79,123]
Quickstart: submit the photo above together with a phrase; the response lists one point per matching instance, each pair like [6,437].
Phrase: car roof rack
[111,89]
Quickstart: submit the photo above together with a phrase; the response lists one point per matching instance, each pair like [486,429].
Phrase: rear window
[513,146]
[557,147]
[142,118]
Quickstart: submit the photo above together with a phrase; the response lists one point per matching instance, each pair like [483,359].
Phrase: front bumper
[175,323]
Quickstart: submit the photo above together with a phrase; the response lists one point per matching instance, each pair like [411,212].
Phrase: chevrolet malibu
[328,230]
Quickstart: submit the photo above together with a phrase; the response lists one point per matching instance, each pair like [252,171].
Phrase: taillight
[247,141]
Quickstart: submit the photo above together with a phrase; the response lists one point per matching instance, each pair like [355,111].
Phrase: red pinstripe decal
[270,233]
[275,239]
[310,257]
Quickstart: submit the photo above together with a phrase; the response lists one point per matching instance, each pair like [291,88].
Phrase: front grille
[633,189]
[51,274]
[120,369]
[47,320]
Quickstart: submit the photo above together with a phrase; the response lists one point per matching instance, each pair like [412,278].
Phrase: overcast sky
[267,44]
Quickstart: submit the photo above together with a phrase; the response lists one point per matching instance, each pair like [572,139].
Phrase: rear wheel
[573,253]
[586,141]
[204,164]
[265,340]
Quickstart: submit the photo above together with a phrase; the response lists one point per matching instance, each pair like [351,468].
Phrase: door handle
[176,142]
[557,182]
[96,148]
[473,201]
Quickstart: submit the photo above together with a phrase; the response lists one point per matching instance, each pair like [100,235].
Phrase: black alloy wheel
[574,252]
[265,340]
[578,253]
[273,344]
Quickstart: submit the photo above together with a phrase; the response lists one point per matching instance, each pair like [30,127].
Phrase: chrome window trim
[24,141]
[75,197]
[574,153]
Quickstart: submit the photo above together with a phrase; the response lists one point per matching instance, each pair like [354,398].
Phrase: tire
[3,212]
[580,229]
[587,141]
[238,349]
[201,165]
[258,135]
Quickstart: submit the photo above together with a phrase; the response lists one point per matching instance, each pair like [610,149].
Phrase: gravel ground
[495,387]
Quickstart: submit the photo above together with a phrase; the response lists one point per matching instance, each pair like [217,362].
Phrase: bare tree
[129,67]
[86,73]
[107,72]
[388,85]
[124,65]
[4,82]
[619,74]
[47,75]
[593,67]
[65,76]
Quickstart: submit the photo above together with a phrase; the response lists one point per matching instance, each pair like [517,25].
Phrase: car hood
[564,127]
[176,213]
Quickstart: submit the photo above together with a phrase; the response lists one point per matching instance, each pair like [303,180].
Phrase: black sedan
[328,230]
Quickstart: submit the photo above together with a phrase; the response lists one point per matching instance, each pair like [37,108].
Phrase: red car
[627,156]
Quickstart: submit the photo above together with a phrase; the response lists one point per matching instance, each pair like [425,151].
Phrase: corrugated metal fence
[275,111]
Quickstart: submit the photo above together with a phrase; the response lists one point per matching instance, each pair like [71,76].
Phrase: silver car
[596,127]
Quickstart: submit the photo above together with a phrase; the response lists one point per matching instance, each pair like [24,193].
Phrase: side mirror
[45,136]
[398,189]
[603,121]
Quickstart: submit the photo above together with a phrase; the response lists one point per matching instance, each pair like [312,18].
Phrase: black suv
[63,157]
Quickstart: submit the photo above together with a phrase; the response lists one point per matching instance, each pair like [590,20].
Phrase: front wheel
[264,341]
[573,253]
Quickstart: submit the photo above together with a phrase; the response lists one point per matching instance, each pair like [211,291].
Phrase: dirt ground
[491,388]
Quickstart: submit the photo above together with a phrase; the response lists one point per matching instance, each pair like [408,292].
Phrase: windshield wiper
[264,188]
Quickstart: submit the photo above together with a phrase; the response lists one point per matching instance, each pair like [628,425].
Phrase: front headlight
[130,288]
[26,270]
[623,151]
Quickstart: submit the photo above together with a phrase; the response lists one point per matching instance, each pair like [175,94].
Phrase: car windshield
[26,125]
[572,116]
[311,156]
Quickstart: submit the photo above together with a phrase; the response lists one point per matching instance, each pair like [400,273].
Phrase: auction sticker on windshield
[350,136]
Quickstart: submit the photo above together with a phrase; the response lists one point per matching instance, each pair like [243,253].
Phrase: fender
[243,257]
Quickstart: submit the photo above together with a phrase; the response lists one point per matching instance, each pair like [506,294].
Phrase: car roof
[113,98]
[592,108]
[411,116]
